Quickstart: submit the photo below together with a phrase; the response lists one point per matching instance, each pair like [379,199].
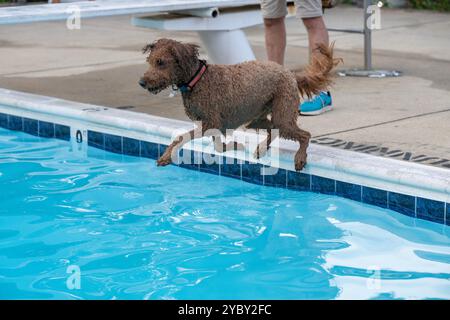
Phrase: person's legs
[275,36]
[317,31]
[273,12]
[310,11]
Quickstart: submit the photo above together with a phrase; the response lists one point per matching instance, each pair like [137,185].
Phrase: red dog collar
[196,78]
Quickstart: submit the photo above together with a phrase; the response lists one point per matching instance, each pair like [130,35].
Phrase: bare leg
[275,35]
[317,32]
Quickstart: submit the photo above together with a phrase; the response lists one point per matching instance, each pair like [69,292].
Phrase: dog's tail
[316,76]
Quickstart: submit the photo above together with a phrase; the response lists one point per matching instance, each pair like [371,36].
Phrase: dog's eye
[159,62]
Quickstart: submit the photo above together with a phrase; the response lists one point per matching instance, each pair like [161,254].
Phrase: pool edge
[412,189]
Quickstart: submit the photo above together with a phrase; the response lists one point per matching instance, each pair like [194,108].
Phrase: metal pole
[367,37]
[369,23]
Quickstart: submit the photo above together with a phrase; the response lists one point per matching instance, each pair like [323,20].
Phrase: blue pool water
[135,231]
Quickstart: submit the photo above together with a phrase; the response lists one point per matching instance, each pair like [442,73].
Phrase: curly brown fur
[229,96]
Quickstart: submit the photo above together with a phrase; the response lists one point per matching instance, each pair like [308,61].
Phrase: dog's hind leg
[262,123]
[290,130]
[301,136]
[284,117]
[264,146]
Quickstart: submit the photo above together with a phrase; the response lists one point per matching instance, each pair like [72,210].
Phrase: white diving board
[102,8]
[222,35]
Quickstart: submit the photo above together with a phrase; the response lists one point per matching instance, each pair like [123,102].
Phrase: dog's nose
[142,83]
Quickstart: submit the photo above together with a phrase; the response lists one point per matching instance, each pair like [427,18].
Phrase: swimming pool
[135,231]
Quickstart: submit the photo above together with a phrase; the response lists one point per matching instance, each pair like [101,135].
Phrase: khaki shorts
[305,8]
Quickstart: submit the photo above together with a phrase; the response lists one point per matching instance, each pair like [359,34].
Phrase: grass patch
[439,5]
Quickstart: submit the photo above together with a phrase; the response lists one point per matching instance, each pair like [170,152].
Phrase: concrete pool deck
[404,118]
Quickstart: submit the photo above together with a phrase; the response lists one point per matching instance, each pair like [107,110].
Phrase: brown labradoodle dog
[229,96]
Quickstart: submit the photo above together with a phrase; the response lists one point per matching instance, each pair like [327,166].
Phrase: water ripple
[141,232]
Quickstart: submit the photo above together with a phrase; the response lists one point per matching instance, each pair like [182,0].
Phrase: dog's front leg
[172,149]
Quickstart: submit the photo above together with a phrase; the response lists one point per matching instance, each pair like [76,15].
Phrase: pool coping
[413,189]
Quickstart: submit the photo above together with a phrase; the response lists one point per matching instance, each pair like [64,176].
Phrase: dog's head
[170,63]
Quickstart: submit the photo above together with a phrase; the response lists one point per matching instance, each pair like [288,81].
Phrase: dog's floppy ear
[148,48]
[185,53]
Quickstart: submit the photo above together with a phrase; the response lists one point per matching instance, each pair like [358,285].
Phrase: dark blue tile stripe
[46,129]
[15,123]
[31,126]
[375,197]
[430,210]
[298,181]
[149,150]
[323,185]
[349,190]
[96,139]
[231,167]
[447,214]
[35,127]
[211,163]
[402,203]
[113,143]
[62,132]
[412,206]
[251,172]
[277,179]
[131,147]
[3,120]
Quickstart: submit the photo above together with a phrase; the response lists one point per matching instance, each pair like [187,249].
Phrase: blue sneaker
[317,105]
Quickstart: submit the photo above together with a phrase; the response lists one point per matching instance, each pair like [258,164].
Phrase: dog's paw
[300,165]
[163,161]
[300,162]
